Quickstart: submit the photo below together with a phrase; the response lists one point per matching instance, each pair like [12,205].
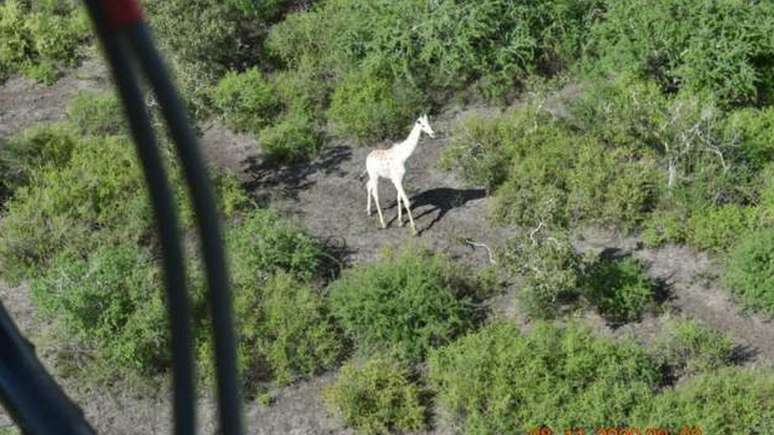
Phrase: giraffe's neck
[404,149]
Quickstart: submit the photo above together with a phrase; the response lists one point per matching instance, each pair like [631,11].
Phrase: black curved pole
[208,222]
[35,401]
[178,306]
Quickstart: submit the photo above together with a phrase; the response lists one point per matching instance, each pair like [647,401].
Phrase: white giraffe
[391,164]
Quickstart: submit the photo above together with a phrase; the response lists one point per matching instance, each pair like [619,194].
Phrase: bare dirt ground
[326,197]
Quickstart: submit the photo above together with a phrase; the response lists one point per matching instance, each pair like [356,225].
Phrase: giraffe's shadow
[439,201]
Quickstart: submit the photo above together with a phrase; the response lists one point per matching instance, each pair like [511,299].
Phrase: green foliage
[207,38]
[692,45]
[246,100]
[377,397]
[689,347]
[370,108]
[545,171]
[34,149]
[482,148]
[445,44]
[40,40]
[88,201]
[284,333]
[300,338]
[621,290]
[551,270]
[500,381]
[283,327]
[295,137]
[97,114]
[664,226]
[752,129]
[750,270]
[111,301]
[229,193]
[724,401]
[406,304]
[718,229]
[263,244]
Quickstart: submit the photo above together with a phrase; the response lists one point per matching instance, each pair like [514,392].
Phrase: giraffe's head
[424,125]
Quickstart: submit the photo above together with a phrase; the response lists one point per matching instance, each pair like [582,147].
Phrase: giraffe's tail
[362,175]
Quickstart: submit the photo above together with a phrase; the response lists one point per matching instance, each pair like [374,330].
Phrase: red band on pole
[121,13]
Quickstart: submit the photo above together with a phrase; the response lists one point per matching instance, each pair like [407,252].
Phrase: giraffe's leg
[378,208]
[400,212]
[406,202]
[369,189]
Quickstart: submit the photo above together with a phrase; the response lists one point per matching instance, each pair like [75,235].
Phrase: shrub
[545,171]
[718,229]
[40,40]
[110,300]
[689,348]
[262,244]
[731,400]
[684,53]
[664,226]
[89,201]
[229,193]
[500,381]
[32,150]
[246,100]
[406,304]
[621,290]
[752,129]
[377,397]
[750,270]
[301,89]
[367,107]
[482,148]
[551,270]
[97,114]
[284,333]
[300,338]
[294,138]
[607,186]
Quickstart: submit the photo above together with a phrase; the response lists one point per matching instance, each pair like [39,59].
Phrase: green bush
[295,137]
[445,44]
[664,226]
[608,187]
[89,201]
[367,107]
[752,129]
[377,397]
[544,170]
[406,304]
[40,40]
[26,153]
[262,244]
[621,290]
[482,148]
[718,229]
[229,192]
[112,301]
[689,347]
[284,333]
[302,89]
[724,401]
[204,39]
[246,100]
[750,270]
[500,381]
[700,46]
[97,114]
[551,270]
